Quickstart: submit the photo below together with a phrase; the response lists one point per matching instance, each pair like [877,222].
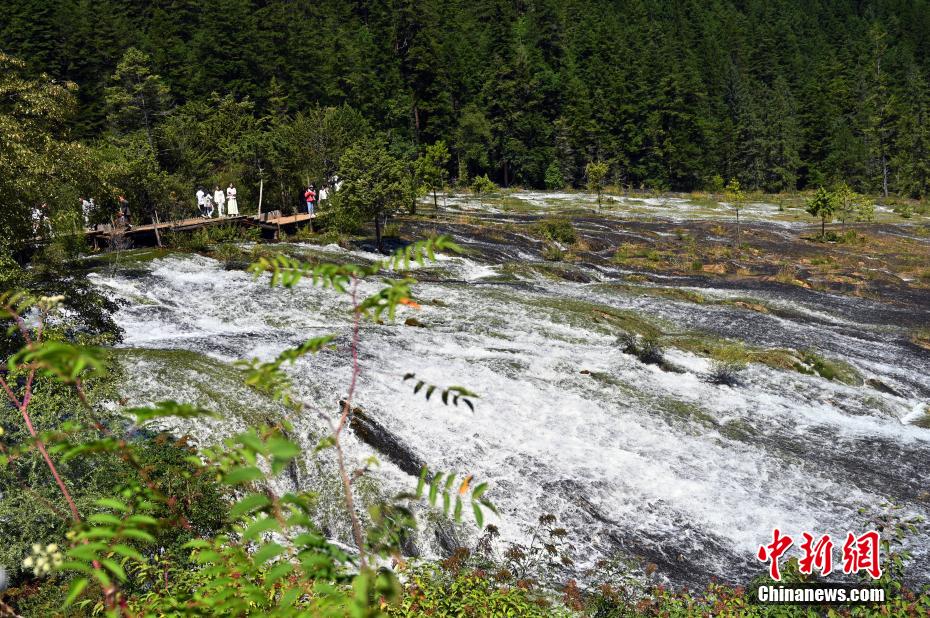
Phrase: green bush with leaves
[556,229]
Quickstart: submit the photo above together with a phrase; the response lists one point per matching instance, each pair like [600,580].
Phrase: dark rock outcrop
[380,438]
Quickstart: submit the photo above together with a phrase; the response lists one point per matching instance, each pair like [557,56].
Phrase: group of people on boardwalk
[120,218]
[226,204]
[313,198]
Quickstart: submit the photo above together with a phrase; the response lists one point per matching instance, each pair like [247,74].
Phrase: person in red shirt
[310,197]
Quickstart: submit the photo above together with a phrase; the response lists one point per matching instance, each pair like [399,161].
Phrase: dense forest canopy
[781,94]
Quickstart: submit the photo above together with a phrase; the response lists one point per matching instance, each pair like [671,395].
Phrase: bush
[552,253]
[433,591]
[391,230]
[905,211]
[201,239]
[554,179]
[726,372]
[647,349]
[556,230]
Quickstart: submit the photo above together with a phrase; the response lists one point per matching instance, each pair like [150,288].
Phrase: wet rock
[377,436]
[447,538]
[882,387]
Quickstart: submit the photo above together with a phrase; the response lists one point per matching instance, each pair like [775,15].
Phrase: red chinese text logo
[859,554]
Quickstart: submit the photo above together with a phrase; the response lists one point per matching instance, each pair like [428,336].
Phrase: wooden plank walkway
[272,219]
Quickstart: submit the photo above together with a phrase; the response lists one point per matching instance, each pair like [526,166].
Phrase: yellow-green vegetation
[431,590]
[619,321]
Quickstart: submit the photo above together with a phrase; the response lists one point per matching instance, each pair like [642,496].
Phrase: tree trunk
[823,227]
[378,242]
[155,222]
[885,175]
[435,201]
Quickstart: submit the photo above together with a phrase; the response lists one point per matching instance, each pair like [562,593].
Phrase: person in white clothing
[232,204]
[220,199]
[86,209]
[200,201]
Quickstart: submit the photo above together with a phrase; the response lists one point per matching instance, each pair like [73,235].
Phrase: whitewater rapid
[631,459]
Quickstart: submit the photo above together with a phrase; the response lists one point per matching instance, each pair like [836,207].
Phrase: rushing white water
[630,458]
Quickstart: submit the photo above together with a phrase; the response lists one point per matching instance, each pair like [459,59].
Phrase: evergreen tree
[431,168]
[777,93]
[596,171]
[822,205]
[912,148]
[137,97]
[374,184]
[879,105]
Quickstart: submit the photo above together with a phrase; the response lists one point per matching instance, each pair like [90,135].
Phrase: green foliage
[905,211]
[431,167]
[734,194]
[267,555]
[554,179]
[137,95]
[822,205]
[41,163]
[455,393]
[556,230]
[269,378]
[374,184]
[482,185]
[433,591]
[510,89]
[596,173]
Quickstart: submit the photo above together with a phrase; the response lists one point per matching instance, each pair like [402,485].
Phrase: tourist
[200,196]
[208,206]
[123,209]
[219,198]
[232,204]
[121,221]
[86,209]
[38,216]
[324,194]
[310,196]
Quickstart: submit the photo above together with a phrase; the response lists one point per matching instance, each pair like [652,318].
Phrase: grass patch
[814,364]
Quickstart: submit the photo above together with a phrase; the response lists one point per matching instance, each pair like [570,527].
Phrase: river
[632,459]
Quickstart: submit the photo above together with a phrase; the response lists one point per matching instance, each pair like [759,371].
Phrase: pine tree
[912,158]
[374,184]
[431,168]
[137,97]
[879,104]
[822,205]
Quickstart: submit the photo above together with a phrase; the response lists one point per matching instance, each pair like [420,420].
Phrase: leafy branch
[456,393]
[270,378]
[442,486]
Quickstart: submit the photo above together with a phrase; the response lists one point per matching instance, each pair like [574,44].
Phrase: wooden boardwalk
[271,222]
